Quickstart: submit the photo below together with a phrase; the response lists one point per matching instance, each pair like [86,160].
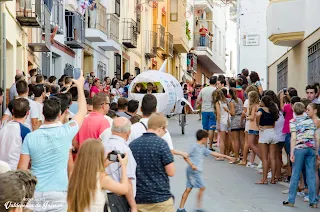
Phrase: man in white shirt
[39,97]
[120,133]
[13,134]
[149,106]
[32,119]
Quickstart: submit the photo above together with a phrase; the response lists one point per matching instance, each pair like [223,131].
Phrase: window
[282,72]
[117,8]
[174,10]
[102,70]
[137,70]
[314,63]
[68,70]
[117,72]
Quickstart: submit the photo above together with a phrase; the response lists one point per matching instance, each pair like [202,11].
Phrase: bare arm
[258,117]
[121,188]
[75,144]
[177,152]
[293,142]
[317,141]
[70,164]
[253,113]
[82,112]
[217,154]
[170,169]
[24,162]
[232,110]
[218,113]
[5,117]
[130,197]
[35,124]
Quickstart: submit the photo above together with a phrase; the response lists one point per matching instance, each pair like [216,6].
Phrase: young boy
[194,171]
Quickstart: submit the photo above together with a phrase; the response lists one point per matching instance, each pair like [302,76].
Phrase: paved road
[230,188]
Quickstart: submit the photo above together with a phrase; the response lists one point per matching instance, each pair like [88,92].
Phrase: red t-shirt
[240,94]
[203,31]
[94,89]
[92,127]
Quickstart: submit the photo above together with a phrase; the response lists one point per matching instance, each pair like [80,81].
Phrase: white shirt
[106,134]
[32,115]
[40,111]
[113,170]
[138,129]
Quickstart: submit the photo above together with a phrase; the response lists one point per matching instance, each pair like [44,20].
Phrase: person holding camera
[121,128]
[89,180]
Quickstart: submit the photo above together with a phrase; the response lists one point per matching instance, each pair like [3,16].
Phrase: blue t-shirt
[49,148]
[196,155]
[152,154]
[74,107]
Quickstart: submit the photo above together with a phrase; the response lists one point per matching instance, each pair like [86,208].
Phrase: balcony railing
[30,13]
[168,45]
[202,42]
[113,27]
[99,22]
[151,44]
[130,35]
[57,16]
[42,43]
[75,35]
[160,36]
[192,62]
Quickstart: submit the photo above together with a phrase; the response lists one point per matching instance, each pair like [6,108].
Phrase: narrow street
[230,188]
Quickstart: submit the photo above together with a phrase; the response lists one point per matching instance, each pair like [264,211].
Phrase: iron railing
[202,41]
[169,45]
[45,63]
[160,33]
[75,35]
[113,27]
[151,44]
[102,70]
[68,70]
[192,62]
[30,13]
[99,22]
[57,16]
[130,36]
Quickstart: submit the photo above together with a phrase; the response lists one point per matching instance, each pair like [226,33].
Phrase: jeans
[303,157]
[202,40]
[53,201]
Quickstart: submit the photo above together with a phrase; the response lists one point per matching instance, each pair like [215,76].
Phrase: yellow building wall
[297,65]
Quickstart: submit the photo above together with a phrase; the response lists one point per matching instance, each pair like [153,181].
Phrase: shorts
[246,128]
[166,206]
[194,179]
[253,132]
[208,121]
[267,136]
[224,128]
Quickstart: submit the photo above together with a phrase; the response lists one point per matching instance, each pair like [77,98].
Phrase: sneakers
[306,198]
[183,210]
[301,194]
[199,210]
[269,175]
[285,191]
[286,203]
[251,165]
[260,165]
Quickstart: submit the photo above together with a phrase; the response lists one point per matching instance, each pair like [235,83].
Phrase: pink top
[94,89]
[190,88]
[287,109]
[92,127]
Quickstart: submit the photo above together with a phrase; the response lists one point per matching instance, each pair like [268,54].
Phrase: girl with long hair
[266,117]
[88,179]
[222,112]
[116,91]
[236,107]
[253,130]
[245,113]
[95,88]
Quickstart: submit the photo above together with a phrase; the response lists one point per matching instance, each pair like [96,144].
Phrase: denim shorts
[194,179]
[208,121]
[253,132]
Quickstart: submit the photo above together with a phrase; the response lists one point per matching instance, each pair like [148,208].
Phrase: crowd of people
[81,146]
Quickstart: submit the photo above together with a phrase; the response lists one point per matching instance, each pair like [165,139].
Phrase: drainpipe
[3,56]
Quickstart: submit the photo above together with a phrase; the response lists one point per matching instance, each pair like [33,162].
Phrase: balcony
[285,22]
[191,63]
[57,16]
[42,43]
[112,43]
[168,52]
[130,35]
[160,36]
[96,30]
[75,35]
[151,44]
[30,14]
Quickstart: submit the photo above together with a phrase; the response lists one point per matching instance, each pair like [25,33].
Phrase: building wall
[253,21]
[297,65]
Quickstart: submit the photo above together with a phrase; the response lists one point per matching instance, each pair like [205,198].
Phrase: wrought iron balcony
[42,43]
[160,36]
[151,44]
[192,63]
[130,35]
[75,35]
[57,13]
[30,13]
[168,52]
[96,24]
[112,42]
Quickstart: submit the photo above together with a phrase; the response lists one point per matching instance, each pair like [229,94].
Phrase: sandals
[261,182]
[242,163]
[273,182]
[236,161]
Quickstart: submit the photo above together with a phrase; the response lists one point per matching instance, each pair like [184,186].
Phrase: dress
[236,123]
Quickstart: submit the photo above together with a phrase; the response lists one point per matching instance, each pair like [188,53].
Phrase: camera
[113,156]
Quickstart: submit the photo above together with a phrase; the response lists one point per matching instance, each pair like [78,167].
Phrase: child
[195,160]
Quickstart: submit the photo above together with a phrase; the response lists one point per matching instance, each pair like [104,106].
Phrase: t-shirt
[94,89]
[152,154]
[206,96]
[287,109]
[92,127]
[11,139]
[40,111]
[33,113]
[124,114]
[13,92]
[278,127]
[106,134]
[49,149]
[138,129]
[74,107]
[305,129]
[196,155]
